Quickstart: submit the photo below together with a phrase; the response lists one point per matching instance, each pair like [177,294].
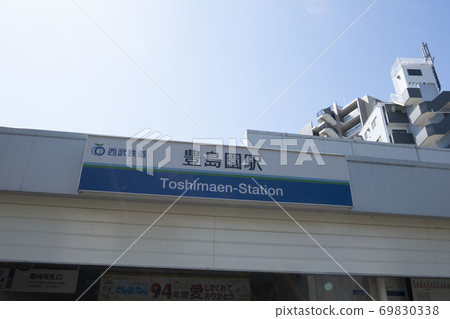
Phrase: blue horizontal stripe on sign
[109,179]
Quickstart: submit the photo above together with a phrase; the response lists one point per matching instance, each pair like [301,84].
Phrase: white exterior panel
[389,231]
[40,161]
[96,231]
[410,188]
[386,178]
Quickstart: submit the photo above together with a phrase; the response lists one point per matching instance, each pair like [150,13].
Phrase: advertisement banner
[160,288]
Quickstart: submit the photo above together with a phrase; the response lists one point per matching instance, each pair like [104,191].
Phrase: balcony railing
[353,130]
[402,138]
[325,111]
[328,125]
[351,115]
[397,117]
[395,98]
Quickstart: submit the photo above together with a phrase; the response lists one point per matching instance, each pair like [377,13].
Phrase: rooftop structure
[417,113]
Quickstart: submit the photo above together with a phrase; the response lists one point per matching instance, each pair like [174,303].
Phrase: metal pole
[381,288]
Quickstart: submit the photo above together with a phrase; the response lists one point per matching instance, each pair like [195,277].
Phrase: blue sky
[223,61]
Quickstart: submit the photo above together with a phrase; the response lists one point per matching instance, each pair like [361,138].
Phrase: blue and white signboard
[161,167]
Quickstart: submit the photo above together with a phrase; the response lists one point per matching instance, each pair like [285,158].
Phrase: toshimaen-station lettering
[242,188]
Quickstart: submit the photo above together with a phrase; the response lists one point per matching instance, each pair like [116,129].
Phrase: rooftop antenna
[426,51]
[428,57]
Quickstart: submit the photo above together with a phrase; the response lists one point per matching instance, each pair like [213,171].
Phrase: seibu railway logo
[98,150]
[139,150]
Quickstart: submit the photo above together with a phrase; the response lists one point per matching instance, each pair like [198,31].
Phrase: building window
[374,122]
[366,135]
[414,72]
[400,131]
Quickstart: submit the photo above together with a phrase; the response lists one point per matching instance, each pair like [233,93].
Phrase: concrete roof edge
[43,133]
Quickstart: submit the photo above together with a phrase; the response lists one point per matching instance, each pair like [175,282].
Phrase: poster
[430,289]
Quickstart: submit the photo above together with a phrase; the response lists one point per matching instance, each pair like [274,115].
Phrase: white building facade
[417,113]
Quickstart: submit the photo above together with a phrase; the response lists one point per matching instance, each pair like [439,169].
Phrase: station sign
[167,168]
